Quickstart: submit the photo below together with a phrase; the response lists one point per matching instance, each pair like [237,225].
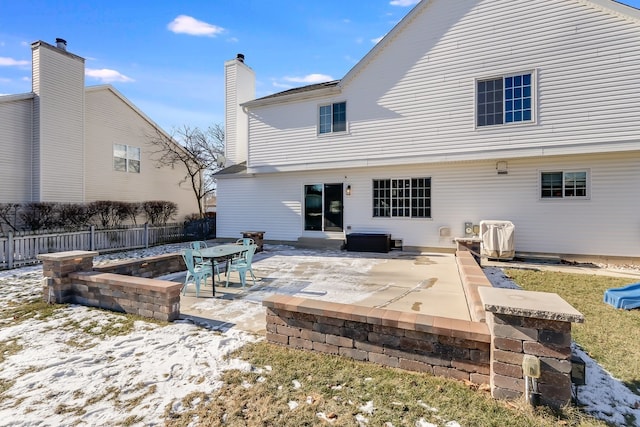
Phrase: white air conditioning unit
[497,239]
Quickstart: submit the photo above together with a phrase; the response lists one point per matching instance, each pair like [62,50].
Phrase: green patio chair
[242,265]
[245,241]
[197,245]
[198,273]
[200,261]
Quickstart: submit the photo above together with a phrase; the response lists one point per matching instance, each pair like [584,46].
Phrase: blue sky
[167,57]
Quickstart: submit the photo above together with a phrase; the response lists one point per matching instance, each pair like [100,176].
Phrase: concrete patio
[426,283]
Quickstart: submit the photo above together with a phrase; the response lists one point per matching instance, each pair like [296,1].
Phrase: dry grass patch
[295,388]
[33,309]
[8,348]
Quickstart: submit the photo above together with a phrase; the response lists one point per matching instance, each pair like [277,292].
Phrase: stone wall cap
[539,305]
[63,256]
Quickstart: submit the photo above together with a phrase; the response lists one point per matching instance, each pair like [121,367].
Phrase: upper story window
[558,185]
[333,118]
[404,197]
[505,99]
[126,158]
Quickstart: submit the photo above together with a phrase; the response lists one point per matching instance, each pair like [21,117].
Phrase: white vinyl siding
[59,86]
[110,119]
[231,107]
[414,100]
[15,146]
[461,192]
[240,87]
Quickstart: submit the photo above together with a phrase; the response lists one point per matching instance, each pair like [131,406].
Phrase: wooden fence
[19,249]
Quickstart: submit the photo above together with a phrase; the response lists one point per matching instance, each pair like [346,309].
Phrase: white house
[468,110]
[64,142]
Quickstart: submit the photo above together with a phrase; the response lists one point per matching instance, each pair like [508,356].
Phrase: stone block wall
[69,278]
[445,347]
[156,299]
[530,323]
[550,341]
[153,266]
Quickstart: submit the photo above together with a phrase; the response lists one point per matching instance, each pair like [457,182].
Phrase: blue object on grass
[627,297]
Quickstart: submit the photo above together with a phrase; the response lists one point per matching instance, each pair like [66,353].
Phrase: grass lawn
[608,335]
[296,388]
[301,388]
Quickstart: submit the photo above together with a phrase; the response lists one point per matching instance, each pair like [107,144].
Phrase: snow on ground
[62,375]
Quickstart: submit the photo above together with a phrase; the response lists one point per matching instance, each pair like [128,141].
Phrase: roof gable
[462,6]
[121,97]
[117,94]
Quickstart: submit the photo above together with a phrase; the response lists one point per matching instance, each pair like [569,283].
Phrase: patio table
[220,251]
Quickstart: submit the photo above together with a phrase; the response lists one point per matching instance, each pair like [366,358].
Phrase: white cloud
[281,85]
[107,76]
[376,40]
[184,24]
[403,2]
[10,62]
[310,79]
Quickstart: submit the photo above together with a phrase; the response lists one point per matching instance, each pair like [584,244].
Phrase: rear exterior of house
[65,142]
[525,111]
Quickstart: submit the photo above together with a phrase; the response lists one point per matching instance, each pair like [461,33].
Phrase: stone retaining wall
[69,278]
[418,342]
[507,325]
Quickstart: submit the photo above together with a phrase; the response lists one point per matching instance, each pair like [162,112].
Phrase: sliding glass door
[323,207]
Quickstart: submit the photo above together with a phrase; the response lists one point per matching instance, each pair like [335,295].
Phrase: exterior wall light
[348,191]
[578,375]
[578,371]
[502,167]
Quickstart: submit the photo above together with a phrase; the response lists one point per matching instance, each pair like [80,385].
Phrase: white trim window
[403,197]
[564,185]
[332,118]
[505,100]
[126,158]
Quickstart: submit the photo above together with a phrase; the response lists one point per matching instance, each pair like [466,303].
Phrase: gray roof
[307,88]
[240,168]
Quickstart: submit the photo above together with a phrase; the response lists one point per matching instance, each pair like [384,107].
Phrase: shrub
[73,216]
[131,210]
[110,213]
[158,212]
[39,215]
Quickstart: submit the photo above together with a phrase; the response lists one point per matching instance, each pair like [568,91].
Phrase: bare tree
[9,215]
[197,150]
